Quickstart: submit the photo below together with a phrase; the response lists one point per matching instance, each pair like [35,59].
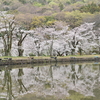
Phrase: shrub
[31,54]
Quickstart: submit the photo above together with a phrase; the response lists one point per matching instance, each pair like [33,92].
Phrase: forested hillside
[38,13]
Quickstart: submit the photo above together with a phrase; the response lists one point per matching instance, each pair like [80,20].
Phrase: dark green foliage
[6,2]
[68,3]
[92,8]
[31,54]
[22,1]
[6,8]
[43,2]
[73,1]
[74,21]
[61,6]
[49,18]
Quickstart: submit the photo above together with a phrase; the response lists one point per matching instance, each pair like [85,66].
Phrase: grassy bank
[42,59]
[48,57]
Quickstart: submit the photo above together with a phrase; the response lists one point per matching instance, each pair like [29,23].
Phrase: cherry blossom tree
[61,42]
[12,34]
[57,40]
[6,32]
[81,38]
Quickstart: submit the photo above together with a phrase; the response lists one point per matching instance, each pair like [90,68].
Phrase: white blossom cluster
[45,41]
[63,42]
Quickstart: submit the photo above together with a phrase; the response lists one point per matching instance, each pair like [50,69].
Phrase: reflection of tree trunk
[38,69]
[8,82]
[20,73]
[74,75]
[80,68]
[51,73]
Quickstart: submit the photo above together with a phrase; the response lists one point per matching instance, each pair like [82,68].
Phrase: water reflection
[7,83]
[21,85]
[51,82]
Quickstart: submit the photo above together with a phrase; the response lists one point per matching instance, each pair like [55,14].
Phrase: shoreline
[31,60]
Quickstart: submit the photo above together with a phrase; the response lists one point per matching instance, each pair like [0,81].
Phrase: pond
[77,81]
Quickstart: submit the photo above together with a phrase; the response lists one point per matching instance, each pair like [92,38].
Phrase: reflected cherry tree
[63,81]
[21,85]
[7,83]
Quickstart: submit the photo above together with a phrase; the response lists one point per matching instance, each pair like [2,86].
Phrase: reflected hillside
[51,82]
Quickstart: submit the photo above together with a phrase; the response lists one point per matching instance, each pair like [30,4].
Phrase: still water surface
[50,82]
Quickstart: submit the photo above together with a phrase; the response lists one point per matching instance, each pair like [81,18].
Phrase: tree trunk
[51,48]
[72,51]
[80,51]
[20,50]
